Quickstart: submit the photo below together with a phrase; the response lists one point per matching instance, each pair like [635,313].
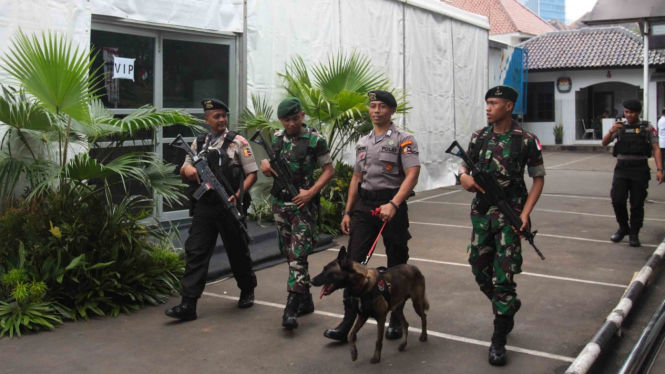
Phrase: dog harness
[365,304]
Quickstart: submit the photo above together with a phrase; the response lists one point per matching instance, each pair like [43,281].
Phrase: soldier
[303,147]
[504,149]
[636,142]
[230,157]
[386,171]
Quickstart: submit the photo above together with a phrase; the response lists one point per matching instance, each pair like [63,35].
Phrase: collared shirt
[383,162]
[652,138]
[239,152]
[661,131]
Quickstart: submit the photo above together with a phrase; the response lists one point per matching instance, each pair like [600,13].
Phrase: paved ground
[565,300]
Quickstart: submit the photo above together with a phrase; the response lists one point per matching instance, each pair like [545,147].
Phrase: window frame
[160,33]
[535,115]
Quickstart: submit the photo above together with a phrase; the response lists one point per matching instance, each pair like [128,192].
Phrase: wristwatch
[344,213]
[657,170]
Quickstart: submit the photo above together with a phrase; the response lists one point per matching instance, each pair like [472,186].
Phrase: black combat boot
[291,311]
[634,240]
[620,234]
[186,311]
[246,299]
[394,330]
[497,353]
[306,305]
[517,306]
[341,332]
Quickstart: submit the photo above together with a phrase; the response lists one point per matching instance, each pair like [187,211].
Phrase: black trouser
[631,177]
[365,228]
[210,220]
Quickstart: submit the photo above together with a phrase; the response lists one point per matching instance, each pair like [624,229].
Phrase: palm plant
[335,100]
[50,117]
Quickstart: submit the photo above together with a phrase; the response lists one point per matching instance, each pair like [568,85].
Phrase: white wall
[436,52]
[580,79]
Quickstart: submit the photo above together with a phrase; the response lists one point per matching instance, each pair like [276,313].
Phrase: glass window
[125,93]
[540,102]
[193,72]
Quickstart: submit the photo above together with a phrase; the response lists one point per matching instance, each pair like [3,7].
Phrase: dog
[376,292]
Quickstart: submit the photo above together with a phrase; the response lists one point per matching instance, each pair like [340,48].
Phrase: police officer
[303,148]
[386,171]
[505,149]
[230,158]
[636,142]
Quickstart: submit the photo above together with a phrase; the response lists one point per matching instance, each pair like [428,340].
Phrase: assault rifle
[494,194]
[284,178]
[210,182]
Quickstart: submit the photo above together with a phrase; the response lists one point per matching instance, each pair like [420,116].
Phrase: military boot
[517,306]
[394,330]
[246,299]
[306,305]
[497,352]
[341,332]
[620,234]
[634,240]
[291,311]
[186,311]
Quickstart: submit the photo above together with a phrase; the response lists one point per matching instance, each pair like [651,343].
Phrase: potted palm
[558,134]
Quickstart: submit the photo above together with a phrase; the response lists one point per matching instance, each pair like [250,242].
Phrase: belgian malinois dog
[376,292]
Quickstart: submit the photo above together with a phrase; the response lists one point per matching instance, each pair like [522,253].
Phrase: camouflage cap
[502,92]
[289,107]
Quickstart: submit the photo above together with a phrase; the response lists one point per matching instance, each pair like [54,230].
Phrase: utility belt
[380,195]
[632,163]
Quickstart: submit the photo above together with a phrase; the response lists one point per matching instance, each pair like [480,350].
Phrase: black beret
[288,107]
[211,104]
[633,105]
[502,92]
[383,96]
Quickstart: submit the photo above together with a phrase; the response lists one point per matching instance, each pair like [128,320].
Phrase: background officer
[230,155]
[636,142]
[303,148]
[504,149]
[386,171]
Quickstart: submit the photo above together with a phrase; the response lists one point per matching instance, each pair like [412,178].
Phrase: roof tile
[506,16]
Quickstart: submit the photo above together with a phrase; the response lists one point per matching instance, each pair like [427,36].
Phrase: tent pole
[645,34]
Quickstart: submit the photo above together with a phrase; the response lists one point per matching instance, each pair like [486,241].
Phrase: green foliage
[261,210]
[31,315]
[558,133]
[334,197]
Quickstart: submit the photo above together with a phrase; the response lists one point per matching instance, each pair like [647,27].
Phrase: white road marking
[539,234]
[572,162]
[550,211]
[576,196]
[413,329]
[622,286]
[431,197]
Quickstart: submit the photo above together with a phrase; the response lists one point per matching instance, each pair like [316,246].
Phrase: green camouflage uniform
[297,233]
[495,251]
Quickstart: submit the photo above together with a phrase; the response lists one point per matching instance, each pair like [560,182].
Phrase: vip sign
[123,68]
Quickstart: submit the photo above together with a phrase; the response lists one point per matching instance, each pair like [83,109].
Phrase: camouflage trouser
[297,239]
[495,257]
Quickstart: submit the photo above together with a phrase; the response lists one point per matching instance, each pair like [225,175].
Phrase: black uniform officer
[386,171]
[636,142]
[230,158]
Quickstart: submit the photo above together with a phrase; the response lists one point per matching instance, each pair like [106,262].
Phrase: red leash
[375,213]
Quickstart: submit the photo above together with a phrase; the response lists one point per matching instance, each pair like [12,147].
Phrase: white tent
[437,53]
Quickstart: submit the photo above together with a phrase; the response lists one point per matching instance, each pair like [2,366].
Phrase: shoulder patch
[247,151]
[404,144]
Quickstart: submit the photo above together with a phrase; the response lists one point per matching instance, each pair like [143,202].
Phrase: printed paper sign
[123,68]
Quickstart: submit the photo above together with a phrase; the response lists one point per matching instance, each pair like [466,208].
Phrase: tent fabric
[435,52]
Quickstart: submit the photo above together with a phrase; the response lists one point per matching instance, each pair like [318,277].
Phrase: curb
[613,322]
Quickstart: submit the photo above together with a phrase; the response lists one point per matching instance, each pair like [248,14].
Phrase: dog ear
[342,255]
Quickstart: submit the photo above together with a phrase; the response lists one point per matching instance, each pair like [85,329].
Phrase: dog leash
[375,213]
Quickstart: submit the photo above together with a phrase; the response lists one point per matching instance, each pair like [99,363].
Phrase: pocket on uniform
[388,162]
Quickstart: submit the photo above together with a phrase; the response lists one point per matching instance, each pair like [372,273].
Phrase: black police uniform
[228,155]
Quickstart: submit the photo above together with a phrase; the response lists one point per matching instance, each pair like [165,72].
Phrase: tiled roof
[595,47]
[506,16]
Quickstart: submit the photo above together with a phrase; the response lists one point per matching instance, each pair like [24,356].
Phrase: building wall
[547,9]
[565,111]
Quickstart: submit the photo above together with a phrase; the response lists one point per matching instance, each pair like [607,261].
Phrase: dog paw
[423,338]
[374,360]
[402,347]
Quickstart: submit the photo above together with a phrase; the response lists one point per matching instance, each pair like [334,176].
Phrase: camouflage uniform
[297,233]
[495,250]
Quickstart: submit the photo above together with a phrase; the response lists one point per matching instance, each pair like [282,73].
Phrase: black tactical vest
[300,153]
[633,140]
